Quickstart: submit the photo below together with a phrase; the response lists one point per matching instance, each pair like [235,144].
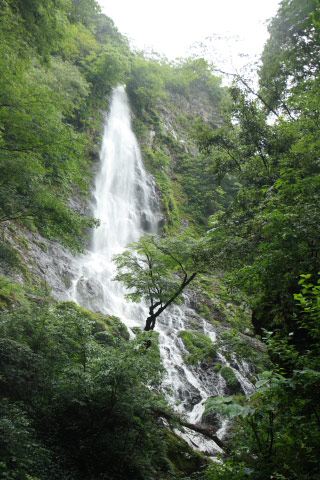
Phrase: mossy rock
[200,346]
[105,328]
[9,258]
[109,328]
[183,459]
[42,245]
[217,367]
[148,344]
[136,330]
[11,294]
[23,242]
[232,382]
[244,347]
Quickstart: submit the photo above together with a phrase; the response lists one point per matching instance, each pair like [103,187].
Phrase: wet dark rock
[190,397]
[187,393]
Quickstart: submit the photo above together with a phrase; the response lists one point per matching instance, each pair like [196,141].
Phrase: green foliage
[206,193]
[145,85]
[58,61]
[276,430]
[266,236]
[217,367]
[9,258]
[80,406]
[150,78]
[68,82]
[40,156]
[78,400]
[11,294]
[232,382]
[159,269]
[266,232]
[111,63]
[289,56]
[193,74]
[183,459]
[228,470]
[308,300]
[83,12]
[21,452]
[157,163]
[152,88]
[243,348]
[200,347]
[43,23]
[108,329]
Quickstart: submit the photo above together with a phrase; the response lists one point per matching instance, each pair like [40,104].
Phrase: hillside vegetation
[238,173]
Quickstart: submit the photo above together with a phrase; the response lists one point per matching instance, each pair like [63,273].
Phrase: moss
[232,382]
[157,163]
[136,330]
[200,346]
[23,242]
[215,322]
[194,325]
[28,222]
[12,228]
[10,294]
[183,459]
[217,367]
[9,258]
[42,245]
[205,311]
[109,328]
[69,306]
[243,348]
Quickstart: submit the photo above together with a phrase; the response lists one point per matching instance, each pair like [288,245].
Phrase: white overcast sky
[171,26]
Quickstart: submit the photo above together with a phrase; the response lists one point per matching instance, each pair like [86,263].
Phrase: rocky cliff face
[197,104]
[178,113]
[43,264]
[169,150]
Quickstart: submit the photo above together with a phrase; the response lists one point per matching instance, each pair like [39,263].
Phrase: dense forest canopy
[78,400]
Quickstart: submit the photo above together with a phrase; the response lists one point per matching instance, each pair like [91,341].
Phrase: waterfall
[125,202]
[127,205]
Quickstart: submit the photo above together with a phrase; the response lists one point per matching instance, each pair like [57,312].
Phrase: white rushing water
[127,205]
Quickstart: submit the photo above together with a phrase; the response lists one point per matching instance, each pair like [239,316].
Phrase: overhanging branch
[196,428]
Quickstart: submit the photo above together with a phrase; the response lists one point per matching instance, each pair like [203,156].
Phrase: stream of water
[126,202]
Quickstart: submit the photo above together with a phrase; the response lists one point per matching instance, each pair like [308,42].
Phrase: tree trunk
[151,320]
[196,428]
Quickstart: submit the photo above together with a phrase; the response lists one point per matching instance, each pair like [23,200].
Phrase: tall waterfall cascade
[126,202]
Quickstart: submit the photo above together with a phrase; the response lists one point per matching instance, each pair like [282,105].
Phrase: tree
[77,399]
[112,64]
[44,22]
[44,100]
[291,55]
[276,429]
[158,270]
[145,84]
[267,233]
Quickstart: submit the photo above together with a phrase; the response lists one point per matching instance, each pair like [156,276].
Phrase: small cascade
[127,205]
